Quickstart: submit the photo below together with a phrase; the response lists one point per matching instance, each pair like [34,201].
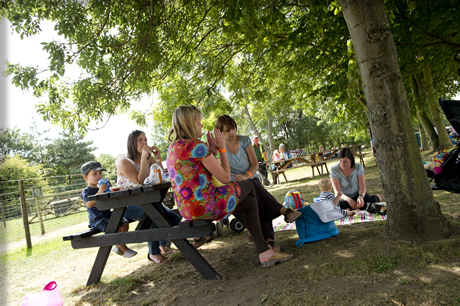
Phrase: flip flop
[276,258]
[294,214]
[158,262]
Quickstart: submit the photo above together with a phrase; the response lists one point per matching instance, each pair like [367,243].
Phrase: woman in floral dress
[191,166]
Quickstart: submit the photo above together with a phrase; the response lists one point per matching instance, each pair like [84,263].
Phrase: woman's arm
[338,188]
[125,168]
[362,190]
[254,165]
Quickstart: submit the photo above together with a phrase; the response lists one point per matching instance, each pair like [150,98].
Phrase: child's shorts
[101,224]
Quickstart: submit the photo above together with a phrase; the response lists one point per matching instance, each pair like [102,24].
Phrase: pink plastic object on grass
[50,296]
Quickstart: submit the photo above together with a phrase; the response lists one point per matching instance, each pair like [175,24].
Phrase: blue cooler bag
[310,227]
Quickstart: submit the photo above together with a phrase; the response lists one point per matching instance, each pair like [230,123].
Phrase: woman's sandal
[294,214]
[273,246]
[202,240]
[276,258]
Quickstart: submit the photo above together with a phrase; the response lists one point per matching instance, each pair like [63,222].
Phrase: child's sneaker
[129,253]
[117,250]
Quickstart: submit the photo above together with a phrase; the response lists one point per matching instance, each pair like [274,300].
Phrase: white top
[122,181]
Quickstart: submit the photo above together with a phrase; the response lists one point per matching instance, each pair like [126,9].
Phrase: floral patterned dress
[196,196]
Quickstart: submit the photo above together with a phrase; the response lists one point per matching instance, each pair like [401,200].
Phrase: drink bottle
[104,181]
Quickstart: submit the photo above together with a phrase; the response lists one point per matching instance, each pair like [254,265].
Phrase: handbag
[50,296]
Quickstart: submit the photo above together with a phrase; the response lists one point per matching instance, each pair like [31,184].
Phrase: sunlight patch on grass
[345,254]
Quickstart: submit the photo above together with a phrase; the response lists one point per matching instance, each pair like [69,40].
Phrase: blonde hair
[184,123]
[325,184]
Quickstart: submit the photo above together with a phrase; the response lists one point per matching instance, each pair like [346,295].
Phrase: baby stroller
[449,177]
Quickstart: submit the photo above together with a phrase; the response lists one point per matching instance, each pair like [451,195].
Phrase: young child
[325,185]
[99,219]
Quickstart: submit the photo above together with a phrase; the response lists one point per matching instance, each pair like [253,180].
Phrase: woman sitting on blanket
[348,178]
[133,169]
[191,166]
[243,166]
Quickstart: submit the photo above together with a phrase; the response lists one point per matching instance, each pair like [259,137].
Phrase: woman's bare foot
[158,258]
[164,250]
[381,197]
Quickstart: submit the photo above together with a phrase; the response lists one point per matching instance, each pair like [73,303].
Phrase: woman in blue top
[348,177]
[243,166]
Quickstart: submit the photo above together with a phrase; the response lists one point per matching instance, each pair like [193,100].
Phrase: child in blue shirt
[99,219]
[325,185]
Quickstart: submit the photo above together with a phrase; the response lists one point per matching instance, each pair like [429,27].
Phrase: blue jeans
[135,213]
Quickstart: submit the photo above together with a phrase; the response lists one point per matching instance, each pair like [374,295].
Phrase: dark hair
[225,121]
[348,153]
[132,143]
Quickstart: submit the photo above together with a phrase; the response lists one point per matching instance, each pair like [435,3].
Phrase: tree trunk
[270,137]
[436,114]
[423,137]
[256,132]
[412,211]
[424,120]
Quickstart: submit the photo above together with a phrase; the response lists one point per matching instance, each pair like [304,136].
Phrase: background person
[191,166]
[259,149]
[133,169]
[348,178]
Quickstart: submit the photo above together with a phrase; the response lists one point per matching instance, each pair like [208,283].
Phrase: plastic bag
[155,175]
[50,296]
[326,211]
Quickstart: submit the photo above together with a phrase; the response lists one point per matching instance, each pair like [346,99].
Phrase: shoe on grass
[117,250]
[129,253]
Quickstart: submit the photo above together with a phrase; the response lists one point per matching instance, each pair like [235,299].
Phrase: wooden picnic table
[150,199]
[315,160]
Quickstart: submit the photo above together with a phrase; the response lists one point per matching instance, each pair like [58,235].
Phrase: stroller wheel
[236,226]
[219,228]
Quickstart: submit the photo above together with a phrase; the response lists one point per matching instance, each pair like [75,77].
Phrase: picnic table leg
[103,253]
[195,258]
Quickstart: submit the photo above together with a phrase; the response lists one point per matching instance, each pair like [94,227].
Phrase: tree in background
[13,142]
[67,154]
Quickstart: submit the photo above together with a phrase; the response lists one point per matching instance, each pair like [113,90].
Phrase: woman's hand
[146,152]
[211,143]
[220,139]
[352,203]
[240,177]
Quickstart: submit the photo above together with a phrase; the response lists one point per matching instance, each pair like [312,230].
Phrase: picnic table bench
[314,160]
[150,199]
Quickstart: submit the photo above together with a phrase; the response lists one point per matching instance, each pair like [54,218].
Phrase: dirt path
[39,238]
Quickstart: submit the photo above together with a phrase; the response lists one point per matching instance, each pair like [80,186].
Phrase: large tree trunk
[436,114]
[412,211]
[424,120]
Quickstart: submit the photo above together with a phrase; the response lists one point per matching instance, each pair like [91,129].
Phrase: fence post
[25,217]
[39,212]
[3,214]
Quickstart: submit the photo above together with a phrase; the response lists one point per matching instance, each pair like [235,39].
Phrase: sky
[17,107]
